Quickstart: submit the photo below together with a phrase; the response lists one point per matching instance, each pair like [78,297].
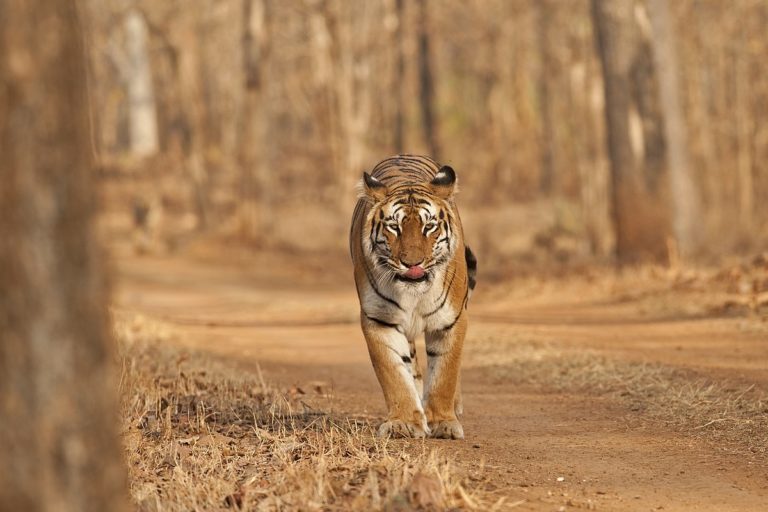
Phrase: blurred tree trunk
[171,119]
[646,118]
[58,434]
[399,78]
[639,202]
[341,37]
[744,135]
[593,166]
[257,187]
[548,73]
[351,36]
[138,77]
[426,81]
[177,74]
[686,215]
[190,74]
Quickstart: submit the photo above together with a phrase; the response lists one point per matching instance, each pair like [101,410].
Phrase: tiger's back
[414,276]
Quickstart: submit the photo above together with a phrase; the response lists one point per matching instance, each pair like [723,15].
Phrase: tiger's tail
[471,267]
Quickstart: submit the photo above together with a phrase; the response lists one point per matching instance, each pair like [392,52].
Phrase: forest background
[620,131]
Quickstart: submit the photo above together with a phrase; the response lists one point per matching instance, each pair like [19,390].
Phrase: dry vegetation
[199,435]
[733,416]
[248,122]
[204,433]
[738,288]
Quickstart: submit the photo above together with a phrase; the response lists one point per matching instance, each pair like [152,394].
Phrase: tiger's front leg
[441,387]
[391,357]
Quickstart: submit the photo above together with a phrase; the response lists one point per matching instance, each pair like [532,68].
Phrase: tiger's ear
[373,188]
[444,182]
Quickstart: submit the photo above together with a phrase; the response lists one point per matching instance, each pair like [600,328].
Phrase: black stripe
[358,209]
[370,282]
[431,165]
[410,188]
[381,322]
[374,231]
[449,327]
[445,297]
[439,261]
[432,353]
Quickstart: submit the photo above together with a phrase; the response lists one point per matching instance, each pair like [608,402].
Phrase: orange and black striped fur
[414,276]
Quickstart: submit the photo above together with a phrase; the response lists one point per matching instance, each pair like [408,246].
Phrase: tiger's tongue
[414,272]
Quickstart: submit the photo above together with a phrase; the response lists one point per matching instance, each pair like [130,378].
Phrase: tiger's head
[410,233]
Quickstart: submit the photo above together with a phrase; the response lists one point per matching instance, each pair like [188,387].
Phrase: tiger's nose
[411,261]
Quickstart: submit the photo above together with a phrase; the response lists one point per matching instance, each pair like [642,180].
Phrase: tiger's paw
[403,429]
[447,429]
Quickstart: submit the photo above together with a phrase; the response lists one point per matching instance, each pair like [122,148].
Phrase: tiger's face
[411,229]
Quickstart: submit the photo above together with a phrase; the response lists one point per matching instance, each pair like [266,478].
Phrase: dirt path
[543,449]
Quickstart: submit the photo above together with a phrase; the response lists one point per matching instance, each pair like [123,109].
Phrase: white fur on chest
[419,306]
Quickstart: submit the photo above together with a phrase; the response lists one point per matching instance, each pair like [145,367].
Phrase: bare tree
[522,103]
[57,392]
[342,34]
[548,70]
[257,187]
[138,77]
[426,81]
[399,77]
[685,202]
[638,207]
[175,35]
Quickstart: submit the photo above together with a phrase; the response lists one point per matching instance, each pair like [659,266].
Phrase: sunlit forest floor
[246,384]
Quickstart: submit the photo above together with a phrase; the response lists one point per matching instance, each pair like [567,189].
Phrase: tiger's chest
[413,309]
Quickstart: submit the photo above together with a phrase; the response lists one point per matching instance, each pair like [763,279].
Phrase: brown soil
[544,447]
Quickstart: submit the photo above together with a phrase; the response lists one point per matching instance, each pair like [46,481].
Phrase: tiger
[414,276]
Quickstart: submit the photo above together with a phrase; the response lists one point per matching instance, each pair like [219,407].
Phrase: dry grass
[734,416]
[200,436]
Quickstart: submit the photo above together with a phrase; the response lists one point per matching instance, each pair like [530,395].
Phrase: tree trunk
[58,438]
[141,98]
[257,188]
[744,136]
[426,82]
[639,208]
[548,73]
[190,73]
[686,215]
[399,78]
[341,35]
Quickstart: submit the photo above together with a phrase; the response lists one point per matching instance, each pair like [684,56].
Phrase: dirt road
[546,448]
